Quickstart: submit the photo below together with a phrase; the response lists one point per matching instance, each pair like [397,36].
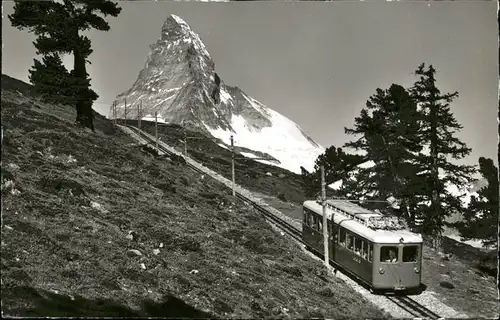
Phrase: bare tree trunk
[79,111]
[84,115]
[436,206]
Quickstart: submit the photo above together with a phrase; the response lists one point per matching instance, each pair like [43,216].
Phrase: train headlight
[381,271]
[417,270]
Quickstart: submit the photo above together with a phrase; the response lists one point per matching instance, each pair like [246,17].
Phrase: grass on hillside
[458,283]
[70,198]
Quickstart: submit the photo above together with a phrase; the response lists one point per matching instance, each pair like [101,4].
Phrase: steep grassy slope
[70,199]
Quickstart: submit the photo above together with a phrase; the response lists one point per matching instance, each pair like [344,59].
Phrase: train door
[410,265]
[390,260]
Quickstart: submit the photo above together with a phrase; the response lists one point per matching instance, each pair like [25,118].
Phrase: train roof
[356,219]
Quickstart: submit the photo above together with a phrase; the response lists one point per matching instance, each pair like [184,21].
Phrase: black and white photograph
[250,159]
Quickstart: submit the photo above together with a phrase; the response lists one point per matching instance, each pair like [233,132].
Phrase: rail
[283,225]
[404,302]
[413,307]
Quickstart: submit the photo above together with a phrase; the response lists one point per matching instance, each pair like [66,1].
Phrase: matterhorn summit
[179,82]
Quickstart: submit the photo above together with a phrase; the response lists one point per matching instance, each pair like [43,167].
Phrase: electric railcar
[374,248]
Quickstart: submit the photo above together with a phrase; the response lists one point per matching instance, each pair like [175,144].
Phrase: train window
[370,252]
[320,225]
[389,254]
[315,224]
[410,253]
[311,220]
[342,235]
[364,249]
[305,218]
[357,246]
[350,241]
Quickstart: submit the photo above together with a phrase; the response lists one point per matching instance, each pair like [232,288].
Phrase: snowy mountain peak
[180,21]
[174,25]
[175,29]
[179,82]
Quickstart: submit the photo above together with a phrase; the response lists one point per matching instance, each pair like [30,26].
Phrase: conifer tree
[57,27]
[337,164]
[388,130]
[480,219]
[438,127]
[50,79]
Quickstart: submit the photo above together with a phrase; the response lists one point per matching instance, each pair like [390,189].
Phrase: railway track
[413,307]
[404,302]
[291,230]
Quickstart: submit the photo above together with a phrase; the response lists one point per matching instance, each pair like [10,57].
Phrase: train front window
[389,254]
[410,254]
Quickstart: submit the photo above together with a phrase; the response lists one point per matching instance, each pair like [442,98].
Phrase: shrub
[54,183]
[281,196]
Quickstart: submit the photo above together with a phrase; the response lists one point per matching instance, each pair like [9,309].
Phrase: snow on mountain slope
[283,139]
[179,82]
[151,118]
[336,185]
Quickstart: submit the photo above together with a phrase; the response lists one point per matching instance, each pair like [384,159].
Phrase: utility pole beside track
[156,128]
[325,220]
[139,114]
[233,174]
[233,158]
[232,163]
[125,112]
[113,112]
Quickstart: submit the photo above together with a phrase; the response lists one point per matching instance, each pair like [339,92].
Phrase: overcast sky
[316,63]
